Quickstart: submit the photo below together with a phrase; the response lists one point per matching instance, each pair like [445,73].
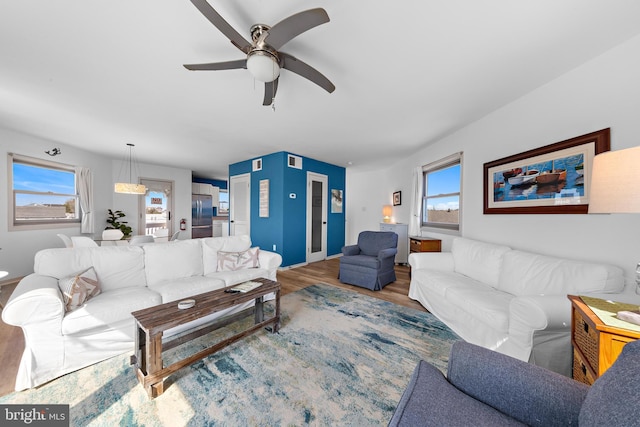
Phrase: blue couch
[486,388]
[371,263]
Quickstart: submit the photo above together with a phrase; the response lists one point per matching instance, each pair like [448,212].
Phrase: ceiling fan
[264,60]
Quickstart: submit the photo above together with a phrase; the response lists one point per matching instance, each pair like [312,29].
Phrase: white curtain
[416,202]
[85,189]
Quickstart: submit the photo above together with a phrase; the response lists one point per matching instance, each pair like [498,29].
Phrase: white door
[240,205]
[317,195]
[155,209]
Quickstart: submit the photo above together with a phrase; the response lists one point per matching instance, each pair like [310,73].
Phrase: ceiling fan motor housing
[262,60]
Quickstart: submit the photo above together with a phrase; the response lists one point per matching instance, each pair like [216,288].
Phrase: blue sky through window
[34,178]
[444,181]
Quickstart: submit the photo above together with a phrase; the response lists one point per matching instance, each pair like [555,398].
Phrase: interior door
[317,196]
[156,207]
[240,205]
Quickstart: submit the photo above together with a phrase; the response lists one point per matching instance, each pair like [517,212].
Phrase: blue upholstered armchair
[370,263]
[486,388]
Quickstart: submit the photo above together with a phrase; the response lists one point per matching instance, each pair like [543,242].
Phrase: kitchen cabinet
[200,188]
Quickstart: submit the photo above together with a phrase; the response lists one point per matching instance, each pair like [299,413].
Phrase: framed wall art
[553,179]
[397,198]
[336,201]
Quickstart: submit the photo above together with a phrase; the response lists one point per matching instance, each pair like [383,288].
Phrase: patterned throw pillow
[78,289]
[232,261]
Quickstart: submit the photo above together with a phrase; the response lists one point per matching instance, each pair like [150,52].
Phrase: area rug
[340,359]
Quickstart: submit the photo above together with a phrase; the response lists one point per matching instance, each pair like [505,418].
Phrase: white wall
[19,247]
[604,92]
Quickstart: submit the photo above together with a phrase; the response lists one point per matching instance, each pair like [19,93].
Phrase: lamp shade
[263,66]
[614,182]
[129,187]
[387,210]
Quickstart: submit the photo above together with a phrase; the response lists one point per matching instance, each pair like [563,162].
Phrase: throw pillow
[232,261]
[79,288]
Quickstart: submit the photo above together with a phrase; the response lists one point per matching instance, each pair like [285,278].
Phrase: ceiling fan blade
[295,25]
[209,12]
[270,89]
[291,63]
[229,65]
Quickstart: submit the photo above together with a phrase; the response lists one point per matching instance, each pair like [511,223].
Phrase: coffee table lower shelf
[153,321]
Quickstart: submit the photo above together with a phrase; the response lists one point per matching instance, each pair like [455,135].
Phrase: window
[223,202]
[44,192]
[441,193]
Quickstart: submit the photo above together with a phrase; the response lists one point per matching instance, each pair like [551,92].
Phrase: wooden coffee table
[153,321]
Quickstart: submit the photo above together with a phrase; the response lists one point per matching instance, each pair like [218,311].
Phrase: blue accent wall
[286,226]
[215,182]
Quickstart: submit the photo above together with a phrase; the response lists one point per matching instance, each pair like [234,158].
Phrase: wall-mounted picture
[336,201]
[553,179]
[397,199]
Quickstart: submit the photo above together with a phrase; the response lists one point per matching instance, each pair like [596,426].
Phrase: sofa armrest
[526,392]
[270,261]
[541,311]
[36,300]
[387,253]
[432,260]
[350,250]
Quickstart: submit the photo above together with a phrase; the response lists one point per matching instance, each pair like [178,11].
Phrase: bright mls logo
[34,415]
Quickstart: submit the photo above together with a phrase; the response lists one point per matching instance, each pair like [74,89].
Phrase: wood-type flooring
[12,341]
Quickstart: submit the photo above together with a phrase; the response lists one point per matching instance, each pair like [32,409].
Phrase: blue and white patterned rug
[340,358]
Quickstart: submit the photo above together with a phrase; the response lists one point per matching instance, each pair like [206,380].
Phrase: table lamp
[614,185]
[387,210]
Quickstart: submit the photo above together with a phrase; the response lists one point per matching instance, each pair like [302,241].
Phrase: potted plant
[116,224]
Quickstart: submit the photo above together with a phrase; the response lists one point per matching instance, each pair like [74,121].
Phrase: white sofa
[508,300]
[131,278]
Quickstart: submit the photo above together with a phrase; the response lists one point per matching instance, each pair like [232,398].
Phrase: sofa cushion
[372,242]
[61,262]
[479,260]
[79,288]
[239,276]
[430,400]
[440,282]
[212,245]
[488,306]
[119,267]
[176,289]
[172,261]
[108,308]
[362,260]
[232,261]
[115,266]
[525,273]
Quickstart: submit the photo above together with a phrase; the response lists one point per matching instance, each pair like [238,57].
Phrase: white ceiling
[98,74]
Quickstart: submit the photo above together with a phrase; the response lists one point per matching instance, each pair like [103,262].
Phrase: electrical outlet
[274,246]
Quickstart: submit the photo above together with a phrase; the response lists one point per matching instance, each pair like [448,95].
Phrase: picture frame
[553,179]
[397,198]
[336,201]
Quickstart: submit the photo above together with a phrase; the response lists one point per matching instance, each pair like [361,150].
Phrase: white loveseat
[508,300]
[131,278]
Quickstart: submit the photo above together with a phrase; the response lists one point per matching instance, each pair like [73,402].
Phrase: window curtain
[416,202]
[85,187]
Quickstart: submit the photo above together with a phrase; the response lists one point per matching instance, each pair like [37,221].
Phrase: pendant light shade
[129,187]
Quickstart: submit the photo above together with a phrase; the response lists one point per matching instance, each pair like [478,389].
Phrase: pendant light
[129,187]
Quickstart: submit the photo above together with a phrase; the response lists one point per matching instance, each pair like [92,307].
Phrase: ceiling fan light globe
[263,66]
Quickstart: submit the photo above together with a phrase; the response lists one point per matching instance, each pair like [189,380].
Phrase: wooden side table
[424,244]
[595,345]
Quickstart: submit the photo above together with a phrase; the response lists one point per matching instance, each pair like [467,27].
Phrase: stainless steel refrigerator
[201,216]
